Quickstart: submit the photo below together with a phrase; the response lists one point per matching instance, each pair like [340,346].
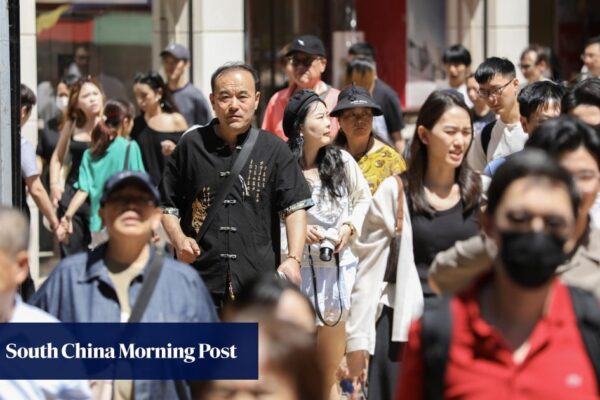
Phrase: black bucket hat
[297,104]
[354,97]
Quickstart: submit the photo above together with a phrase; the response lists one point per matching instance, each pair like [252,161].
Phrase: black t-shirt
[150,147]
[244,236]
[48,139]
[389,102]
[438,232]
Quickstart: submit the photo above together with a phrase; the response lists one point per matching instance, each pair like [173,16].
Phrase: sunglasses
[305,62]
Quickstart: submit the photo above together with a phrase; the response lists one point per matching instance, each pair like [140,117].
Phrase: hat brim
[132,181]
[167,52]
[347,106]
[292,51]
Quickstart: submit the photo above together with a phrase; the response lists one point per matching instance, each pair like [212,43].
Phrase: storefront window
[111,40]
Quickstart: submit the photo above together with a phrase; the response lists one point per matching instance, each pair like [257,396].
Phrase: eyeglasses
[495,92]
[305,61]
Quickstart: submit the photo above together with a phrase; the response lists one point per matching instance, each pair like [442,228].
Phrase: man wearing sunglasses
[307,58]
[498,87]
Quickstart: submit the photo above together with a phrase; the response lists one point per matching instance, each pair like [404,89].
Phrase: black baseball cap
[129,178]
[296,105]
[353,97]
[176,50]
[308,44]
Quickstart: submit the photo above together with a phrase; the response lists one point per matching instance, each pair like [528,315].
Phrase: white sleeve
[372,249]
[358,190]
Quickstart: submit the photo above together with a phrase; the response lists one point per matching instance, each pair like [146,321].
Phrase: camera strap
[314,281]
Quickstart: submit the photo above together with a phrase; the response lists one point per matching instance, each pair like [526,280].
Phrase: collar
[219,142]
[588,246]
[555,314]
[95,267]
[181,88]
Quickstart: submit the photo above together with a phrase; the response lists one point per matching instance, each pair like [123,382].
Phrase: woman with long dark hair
[109,153]
[84,111]
[437,202]
[355,112]
[341,197]
[160,126]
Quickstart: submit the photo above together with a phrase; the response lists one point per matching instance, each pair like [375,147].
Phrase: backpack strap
[587,313]
[436,334]
[486,136]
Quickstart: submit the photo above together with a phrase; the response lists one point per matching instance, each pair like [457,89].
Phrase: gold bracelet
[352,229]
[295,258]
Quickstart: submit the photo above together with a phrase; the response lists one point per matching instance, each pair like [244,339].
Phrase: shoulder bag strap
[147,289]
[587,313]
[436,335]
[226,188]
[392,261]
[126,162]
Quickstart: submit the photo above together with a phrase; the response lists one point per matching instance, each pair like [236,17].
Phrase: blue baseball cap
[129,178]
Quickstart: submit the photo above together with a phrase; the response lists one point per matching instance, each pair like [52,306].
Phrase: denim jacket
[79,289]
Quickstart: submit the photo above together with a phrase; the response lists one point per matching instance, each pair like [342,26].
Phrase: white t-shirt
[40,389]
[505,140]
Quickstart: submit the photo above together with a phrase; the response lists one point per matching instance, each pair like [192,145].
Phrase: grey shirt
[192,104]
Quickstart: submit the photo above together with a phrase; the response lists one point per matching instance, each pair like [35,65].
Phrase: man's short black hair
[28,99]
[565,134]
[585,92]
[494,66]
[363,49]
[235,65]
[538,95]
[593,40]
[533,163]
[457,54]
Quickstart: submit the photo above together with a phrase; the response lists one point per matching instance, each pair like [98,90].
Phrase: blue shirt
[79,289]
[493,166]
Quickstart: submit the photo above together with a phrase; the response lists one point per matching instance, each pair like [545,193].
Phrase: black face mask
[531,258]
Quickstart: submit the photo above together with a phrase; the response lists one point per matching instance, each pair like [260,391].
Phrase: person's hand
[167,147]
[314,234]
[187,250]
[357,365]
[64,229]
[60,232]
[56,193]
[291,270]
[345,233]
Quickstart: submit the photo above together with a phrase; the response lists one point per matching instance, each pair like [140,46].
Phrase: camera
[328,243]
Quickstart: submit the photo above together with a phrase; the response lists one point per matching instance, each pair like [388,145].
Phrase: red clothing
[273,118]
[481,365]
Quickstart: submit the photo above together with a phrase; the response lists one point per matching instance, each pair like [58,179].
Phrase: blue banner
[191,351]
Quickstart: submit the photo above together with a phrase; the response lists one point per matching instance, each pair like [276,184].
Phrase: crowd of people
[464,264]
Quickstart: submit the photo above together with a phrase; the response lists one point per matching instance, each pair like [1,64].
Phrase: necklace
[363,153]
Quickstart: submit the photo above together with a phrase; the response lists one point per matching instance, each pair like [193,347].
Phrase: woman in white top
[341,198]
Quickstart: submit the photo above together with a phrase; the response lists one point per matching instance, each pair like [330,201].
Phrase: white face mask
[62,102]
